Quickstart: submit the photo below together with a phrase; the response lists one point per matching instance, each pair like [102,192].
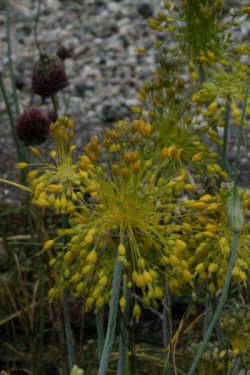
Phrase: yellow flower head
[213,240]
[130,212]
[57,183]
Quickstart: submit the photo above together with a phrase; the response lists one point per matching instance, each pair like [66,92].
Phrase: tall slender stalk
[100,332]
[237,159]
[36,26]
[55,105]
[123,341]
[225,163]
[206,314]
[67,325]
[68,331]
[109,340]
[9,53]
[18,146]
[166,316]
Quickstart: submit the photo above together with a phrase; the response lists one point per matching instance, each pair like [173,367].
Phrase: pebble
[105,71]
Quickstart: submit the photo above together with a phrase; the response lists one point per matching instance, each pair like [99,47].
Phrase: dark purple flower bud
[32,127]
[48,76]
[64,53]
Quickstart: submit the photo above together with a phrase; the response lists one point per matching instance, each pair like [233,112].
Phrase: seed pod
[235,212]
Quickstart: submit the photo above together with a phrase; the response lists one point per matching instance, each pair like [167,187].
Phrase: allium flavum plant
[151,209]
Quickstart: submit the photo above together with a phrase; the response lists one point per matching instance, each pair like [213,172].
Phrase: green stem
[236,369]
[225,164]
[55,105]
[207,314]
[100,333]
[109,340]
[36,26]
[41,313]
[123,340]
[237,160]
[68,332]
[9,53]
[11,119]
[19,186]
[166,316]
[219,333]
[219,306]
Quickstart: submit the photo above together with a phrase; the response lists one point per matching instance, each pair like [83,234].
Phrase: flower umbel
[128,212]
[48,76]
[57,183]
[32,127]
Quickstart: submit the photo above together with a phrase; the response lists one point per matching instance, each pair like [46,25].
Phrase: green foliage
[147,213]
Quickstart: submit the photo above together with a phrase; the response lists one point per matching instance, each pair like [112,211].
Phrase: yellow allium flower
[57,183]
[212,243]
[133,214]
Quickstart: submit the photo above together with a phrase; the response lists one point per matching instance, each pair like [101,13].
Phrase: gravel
[105,71]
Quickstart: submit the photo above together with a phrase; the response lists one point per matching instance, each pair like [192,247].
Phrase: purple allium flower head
[33,127]
[48,76]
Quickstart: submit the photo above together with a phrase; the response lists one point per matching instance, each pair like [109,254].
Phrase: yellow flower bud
[136,312]
[22,165]
[208,234]
[68,258]
[211,288]
[212,207]
[53,188]
[243,276]
[236,271]
[48,244]
[211,56]
[57,203]
[121,250]
[42,202]
[198,206]
[158,292]
[52,199]
[203,59]
[211,228]
[100,302]
[103,281]
[187,276]
[200,268]
[92,257]
[174,261]
[174,152]
[122,302]
[164,260]
[141,262]
[213,267]
[88,239]
[189,187]
[181,245]
[80,288]
[164,153]
[147,278]
[54,293]
[206,198]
